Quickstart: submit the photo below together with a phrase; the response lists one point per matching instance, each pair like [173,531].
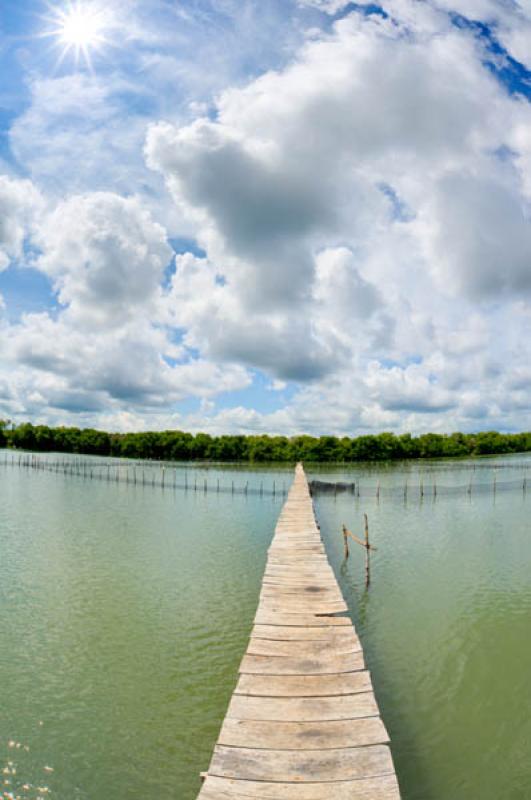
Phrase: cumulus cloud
[105,255]
[478,236]
[350,199]
[135,366]
[361,217]
[20,202]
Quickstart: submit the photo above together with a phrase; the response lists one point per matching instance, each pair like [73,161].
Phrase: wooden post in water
[364,543]
[367,554]
[345,541]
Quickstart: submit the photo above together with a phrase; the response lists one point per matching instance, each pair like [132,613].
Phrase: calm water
[125,609]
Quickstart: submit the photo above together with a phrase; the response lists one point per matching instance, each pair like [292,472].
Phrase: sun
[82,28]
[79,28]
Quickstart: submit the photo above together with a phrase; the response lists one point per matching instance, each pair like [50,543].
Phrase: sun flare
[80,28]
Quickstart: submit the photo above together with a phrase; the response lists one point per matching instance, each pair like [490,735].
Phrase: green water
[125,610]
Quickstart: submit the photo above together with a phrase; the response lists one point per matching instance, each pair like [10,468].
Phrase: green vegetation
[177,445]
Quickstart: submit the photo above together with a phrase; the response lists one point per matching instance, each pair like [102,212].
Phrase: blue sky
[271,216]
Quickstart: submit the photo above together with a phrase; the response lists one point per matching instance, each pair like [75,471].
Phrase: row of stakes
[427,490]
[365,542]
[115,474]
[84,469]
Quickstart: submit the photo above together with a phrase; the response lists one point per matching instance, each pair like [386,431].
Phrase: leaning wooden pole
[303,722]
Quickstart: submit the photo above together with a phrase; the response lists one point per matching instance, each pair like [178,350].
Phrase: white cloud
[79,371]
[105,255]
[350,201]
[20,202]
[365,214]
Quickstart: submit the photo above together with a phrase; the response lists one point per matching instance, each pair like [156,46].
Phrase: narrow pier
[303,722]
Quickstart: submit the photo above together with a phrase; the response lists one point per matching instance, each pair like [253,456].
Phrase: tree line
[182,446]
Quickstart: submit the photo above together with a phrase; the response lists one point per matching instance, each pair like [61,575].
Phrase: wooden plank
[330,735]
[299,569]
[305,766]
[290,599]
[304,685]
[299,559]
[383,787]
[303,634]
[307,589]
[271,665]
[301,599]
[298,649]
[298,579]
[265,617]
[286,606]
[302,709]
[296,548]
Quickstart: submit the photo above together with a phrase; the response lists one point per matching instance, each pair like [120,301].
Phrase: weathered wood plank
[304,685]
[303,709]
[271,665]
[298,579]
[286,606]
[299,569]
[301,601]
[302,634]
[329,735]
[305,766]
[298,649]
[265,617]
[307,591]
[384,787]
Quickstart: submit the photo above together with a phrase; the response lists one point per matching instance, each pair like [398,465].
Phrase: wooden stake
[345,541]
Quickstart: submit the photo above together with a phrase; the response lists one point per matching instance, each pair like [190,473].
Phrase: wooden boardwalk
[303,722]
